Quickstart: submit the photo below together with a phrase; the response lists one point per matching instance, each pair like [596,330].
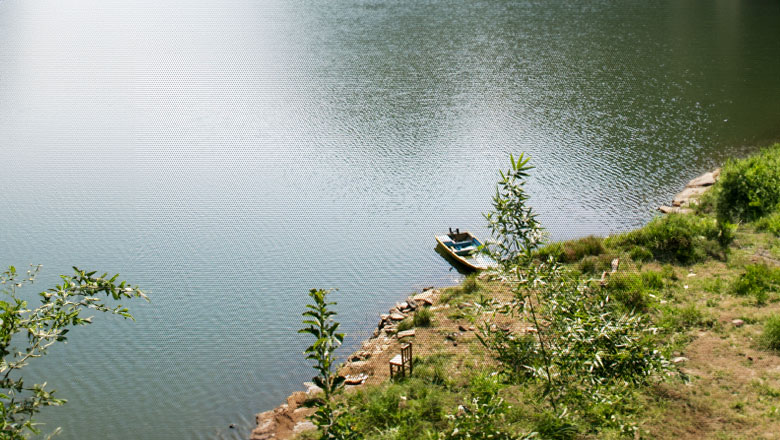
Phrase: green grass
[678,238]
[633,291]
[573,250]
[770,223]
[467,288]
[422,318]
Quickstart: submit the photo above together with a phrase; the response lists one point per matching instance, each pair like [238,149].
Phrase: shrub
[596,264]
[653,280]
[406,324]
[552,250]
[589,264]
[750,188]
[667,271]
[573,250]
[639,253]
[771,336]
[677,237]
[516,354]
[770,224]
[630,291]
[550,426]
[757,280]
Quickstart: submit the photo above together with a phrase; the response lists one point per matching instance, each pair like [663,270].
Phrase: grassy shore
[712,291]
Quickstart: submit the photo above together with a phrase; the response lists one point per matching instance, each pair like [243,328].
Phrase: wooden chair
[401,362]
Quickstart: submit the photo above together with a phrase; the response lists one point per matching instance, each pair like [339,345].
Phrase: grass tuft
[771,336]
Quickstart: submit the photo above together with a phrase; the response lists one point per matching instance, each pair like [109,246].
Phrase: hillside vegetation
[669,331]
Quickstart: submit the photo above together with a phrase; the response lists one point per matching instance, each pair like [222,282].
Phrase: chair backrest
[406,352]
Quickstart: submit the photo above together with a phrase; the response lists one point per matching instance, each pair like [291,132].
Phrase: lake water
[228,156]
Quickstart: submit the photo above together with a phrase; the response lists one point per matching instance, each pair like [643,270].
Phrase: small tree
[585,346]
[43,326]
[329,417]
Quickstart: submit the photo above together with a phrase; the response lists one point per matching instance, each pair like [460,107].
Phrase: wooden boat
[463,248]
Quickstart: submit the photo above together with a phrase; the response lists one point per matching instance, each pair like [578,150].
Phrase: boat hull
[463,249]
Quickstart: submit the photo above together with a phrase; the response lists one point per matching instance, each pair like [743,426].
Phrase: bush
[771,336]
[770,224]
[653,280]
[573,250]
[749,188]
[516,354]
[632,290]
[550,426]
[638,253]
[757,280]
[678,237]
[406,324]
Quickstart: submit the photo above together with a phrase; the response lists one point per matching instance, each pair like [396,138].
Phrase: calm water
[228,156]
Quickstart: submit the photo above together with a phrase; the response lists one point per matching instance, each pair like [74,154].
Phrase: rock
[266,426]
[462,328]
[472,328]
[679,360]
[312,389]
[674,209]
[355,379]
[425,289]
[305,425]
[452,336]
[530,330]
[295,400]
[384,317]
[684,198]
[425,298]
[706,179]
[402,306]
[716,173]
[405,334]
[397,316]
[738,322]
[359,365]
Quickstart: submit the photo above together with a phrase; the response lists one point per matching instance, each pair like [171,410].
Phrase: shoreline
[368,364]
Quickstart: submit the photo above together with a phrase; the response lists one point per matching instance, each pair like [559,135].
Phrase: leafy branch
[43,326]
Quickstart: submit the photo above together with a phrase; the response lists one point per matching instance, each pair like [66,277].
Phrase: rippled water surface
[228,156]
